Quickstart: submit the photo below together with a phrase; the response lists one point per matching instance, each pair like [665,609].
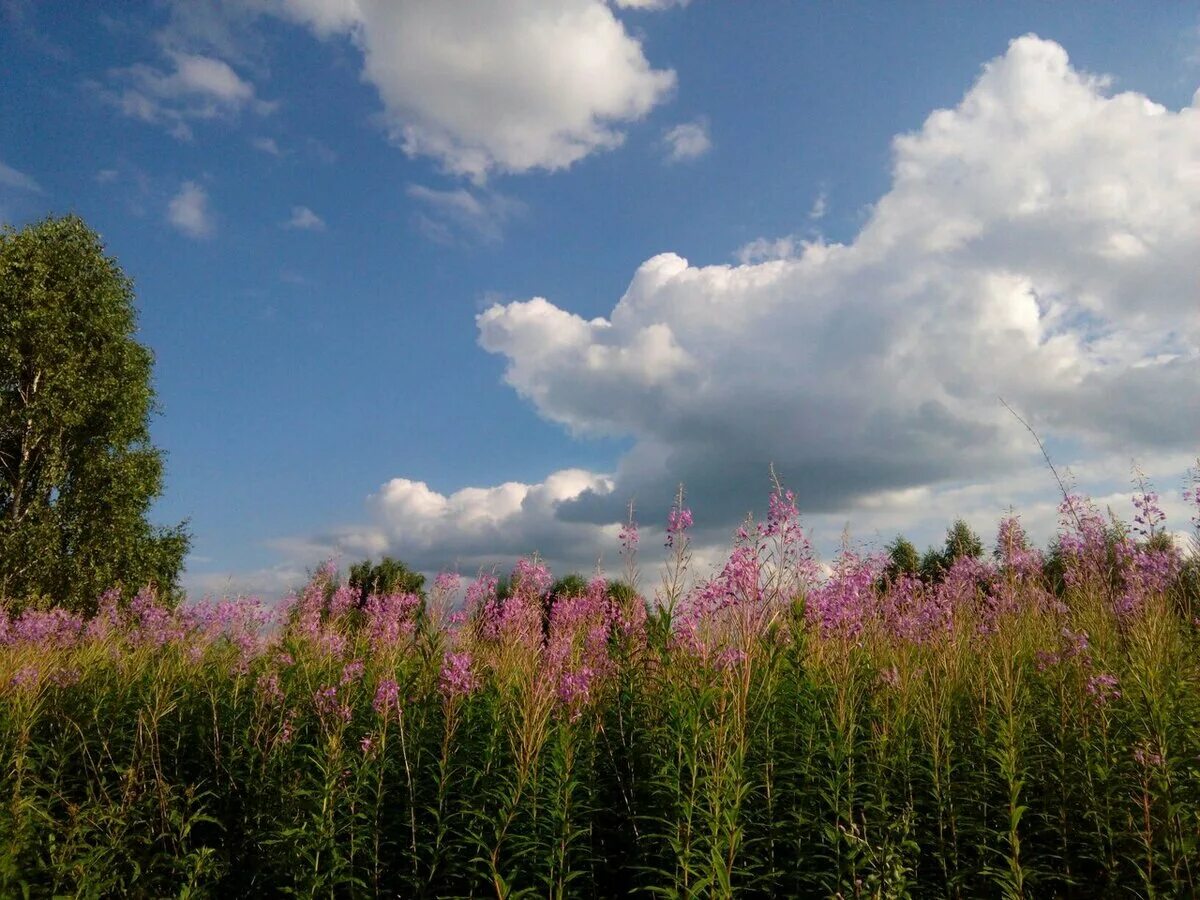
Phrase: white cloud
[197,88]
[1037,242]
[188,211]
[467,529]
[820,207]
[10,177]
[304,219]
[651,4]
[763,249]
[497,85]
[266,145]
[269,584]
[766,249]
[447,216]
[325,17]
[688,140]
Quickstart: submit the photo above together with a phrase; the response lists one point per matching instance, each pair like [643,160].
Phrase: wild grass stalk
[1022,726]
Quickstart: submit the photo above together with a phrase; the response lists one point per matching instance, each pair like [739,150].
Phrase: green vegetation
[77,470]
[779,734]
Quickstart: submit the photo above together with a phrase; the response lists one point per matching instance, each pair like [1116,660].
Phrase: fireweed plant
[1021,725]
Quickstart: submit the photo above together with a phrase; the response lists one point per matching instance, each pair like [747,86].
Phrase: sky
[458,281]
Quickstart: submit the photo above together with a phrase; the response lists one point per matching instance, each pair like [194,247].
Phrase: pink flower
[575,688]
[1046,660]
[1149,514]
[1015,555]
[27,678]
[457,678]
[65,677]
[329,707]
[287,729]
[352,671]
[391,618]
[447,582]
[628,536]
[730,659]
[1191,494]
[269,689]
[344,599]
[50,628]
[387,697]
[679,520]
[1074,642]
[530,579]
[1146,757]
[843,605]
[1103,688]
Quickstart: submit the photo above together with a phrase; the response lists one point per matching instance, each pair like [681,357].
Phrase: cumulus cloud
[448,216]
[468,529]
[688,140]
[497,85]
[763,249]
[197,87]
[325,17]
[188,211]
[651,4]
[1037,242]
[304,219]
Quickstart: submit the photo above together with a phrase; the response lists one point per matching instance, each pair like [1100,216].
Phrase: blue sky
[337,213]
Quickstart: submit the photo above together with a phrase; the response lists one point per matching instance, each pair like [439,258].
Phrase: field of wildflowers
[1023,725]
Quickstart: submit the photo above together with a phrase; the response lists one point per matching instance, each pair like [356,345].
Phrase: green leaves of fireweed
[1048,749]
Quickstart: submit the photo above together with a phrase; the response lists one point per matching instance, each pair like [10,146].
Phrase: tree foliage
[571,585]
[77,470]
[903,558]
[960,542]
[388,576]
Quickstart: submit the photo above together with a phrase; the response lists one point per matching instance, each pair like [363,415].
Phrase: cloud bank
[1038,242]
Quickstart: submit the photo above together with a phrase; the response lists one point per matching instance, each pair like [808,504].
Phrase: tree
[961,542]
[932,566]
[77,470]
[389,576]
[572,585]
[903,558]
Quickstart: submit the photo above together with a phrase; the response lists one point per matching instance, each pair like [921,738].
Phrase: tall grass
[1021,727]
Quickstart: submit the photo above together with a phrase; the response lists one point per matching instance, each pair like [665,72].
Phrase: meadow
[1024,724]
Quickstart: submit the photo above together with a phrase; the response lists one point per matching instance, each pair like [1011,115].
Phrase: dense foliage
[776,730]
[77,470]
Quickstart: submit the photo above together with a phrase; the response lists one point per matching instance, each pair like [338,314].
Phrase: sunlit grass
[1015,727]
